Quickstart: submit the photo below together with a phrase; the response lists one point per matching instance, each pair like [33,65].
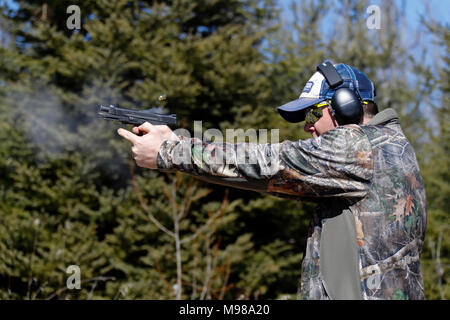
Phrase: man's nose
[309,128]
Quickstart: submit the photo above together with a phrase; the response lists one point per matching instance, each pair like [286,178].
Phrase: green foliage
[68,194]
[436,172]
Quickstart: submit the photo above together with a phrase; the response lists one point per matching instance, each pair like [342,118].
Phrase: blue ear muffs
[347,106]
[346,103]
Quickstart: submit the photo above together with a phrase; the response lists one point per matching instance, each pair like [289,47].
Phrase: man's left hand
[145,148]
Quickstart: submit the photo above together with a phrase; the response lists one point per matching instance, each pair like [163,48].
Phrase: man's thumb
[146,126]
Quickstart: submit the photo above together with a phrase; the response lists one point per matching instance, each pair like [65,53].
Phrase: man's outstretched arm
[338,165]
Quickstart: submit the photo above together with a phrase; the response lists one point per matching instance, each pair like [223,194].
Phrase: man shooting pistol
[365,240]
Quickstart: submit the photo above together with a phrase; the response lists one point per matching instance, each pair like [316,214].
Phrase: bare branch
[210,220]
[144,204]
[92,290]
[194,271]
[44,11]
[175,218]
[174,197]
[225,281]
[214,266]
[40,289]
[208,269]
[187,199]
[30,275]
[161,275]
[439,269]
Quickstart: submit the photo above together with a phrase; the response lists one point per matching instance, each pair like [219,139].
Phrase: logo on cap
[308,86]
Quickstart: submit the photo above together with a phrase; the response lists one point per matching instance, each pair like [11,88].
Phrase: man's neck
[366,119]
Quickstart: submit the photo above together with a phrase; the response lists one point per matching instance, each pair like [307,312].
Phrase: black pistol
[136,117]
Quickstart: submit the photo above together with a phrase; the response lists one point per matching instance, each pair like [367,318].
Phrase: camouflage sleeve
[338,164]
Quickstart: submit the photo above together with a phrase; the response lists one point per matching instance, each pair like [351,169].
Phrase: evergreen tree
[66,202]
[436,172]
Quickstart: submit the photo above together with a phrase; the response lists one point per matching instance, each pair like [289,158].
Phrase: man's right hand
[145,149]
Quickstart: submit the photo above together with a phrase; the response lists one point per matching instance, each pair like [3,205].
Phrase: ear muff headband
[330,73]
[346,103]
[354,82]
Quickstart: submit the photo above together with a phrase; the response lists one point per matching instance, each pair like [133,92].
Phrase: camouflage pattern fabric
[370,170]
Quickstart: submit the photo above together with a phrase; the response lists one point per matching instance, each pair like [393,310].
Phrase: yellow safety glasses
[315,112]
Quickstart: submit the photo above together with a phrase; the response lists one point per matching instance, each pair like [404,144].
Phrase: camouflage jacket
[369,170]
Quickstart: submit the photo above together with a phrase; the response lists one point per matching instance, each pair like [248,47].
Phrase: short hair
[370,109]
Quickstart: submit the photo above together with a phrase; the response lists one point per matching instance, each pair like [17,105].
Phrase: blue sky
[440,9]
